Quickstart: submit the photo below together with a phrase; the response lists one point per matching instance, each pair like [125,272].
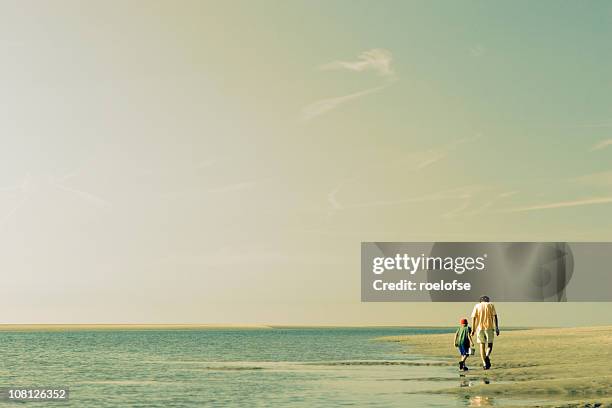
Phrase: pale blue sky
[213,162]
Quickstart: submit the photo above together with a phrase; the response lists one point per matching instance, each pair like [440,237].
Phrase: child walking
[463,342]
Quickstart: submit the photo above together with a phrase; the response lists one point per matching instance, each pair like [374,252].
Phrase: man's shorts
[485,336]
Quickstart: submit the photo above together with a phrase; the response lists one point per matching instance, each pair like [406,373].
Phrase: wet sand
[568,367]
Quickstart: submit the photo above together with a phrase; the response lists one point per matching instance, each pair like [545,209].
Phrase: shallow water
[220,367]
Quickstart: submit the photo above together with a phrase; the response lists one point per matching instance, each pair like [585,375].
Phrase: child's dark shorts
[464,350]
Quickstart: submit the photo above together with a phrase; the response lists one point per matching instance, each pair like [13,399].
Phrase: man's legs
[488,342]
[483,354]
[489,348]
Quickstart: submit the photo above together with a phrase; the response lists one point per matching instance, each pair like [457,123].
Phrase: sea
[284,367]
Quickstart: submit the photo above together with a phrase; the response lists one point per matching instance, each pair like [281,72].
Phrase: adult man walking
[484,324]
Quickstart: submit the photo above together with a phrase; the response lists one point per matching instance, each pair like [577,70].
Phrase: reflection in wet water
[469,382]
[476,400]
[479,401]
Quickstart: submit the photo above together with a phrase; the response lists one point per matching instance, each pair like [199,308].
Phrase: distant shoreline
[103,326]
[146,326]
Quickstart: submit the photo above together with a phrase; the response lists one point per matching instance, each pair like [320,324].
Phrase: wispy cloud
[333,201]
[11,212]
[230,188]
[432,156]
[487,204]
[58,182]
[601,145]
[562,204]
[31,187]
[605,124]
[419,161]
[452,194]
[233,257]
[477,50]
[92,198]
[377,59]
[326,105]
[603,178]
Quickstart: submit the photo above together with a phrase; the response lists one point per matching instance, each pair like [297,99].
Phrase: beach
[561,367]
[196,365]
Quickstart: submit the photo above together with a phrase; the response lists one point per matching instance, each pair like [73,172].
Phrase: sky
[221,162]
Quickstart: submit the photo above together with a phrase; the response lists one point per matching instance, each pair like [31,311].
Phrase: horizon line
[179,326]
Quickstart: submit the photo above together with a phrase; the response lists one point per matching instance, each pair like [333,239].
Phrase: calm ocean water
[225,367]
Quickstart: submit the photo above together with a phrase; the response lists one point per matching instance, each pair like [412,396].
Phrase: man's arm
[496,326]
[474,319]
[455,341]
